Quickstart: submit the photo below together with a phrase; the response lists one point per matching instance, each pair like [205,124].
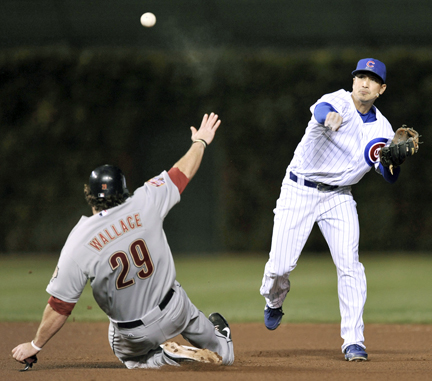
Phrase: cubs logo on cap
[371,65]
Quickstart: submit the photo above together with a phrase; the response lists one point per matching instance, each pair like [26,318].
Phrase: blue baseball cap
[371,65]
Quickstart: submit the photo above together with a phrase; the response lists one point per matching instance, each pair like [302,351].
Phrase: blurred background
[83,83]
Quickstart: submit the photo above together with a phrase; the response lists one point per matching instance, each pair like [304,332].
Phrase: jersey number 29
[141,259]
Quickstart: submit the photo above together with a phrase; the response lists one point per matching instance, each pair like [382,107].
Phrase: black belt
[162,305]
[311,184]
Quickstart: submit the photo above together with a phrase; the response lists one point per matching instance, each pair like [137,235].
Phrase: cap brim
[370,72]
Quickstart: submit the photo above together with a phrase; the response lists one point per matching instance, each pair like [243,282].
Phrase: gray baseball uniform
[124,253]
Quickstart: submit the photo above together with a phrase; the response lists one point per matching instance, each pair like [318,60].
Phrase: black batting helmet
[107,180]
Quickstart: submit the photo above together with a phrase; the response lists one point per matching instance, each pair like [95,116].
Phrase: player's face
[367,88]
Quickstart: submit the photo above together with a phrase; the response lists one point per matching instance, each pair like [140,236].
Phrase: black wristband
[202,141]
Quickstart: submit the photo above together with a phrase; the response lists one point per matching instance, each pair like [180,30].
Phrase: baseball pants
[140,347]
[297,209]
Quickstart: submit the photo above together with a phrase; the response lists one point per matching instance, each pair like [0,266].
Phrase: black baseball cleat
[220,324]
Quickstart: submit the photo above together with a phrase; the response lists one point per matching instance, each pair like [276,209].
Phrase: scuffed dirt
[80,351]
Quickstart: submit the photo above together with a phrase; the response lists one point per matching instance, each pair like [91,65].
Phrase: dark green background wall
[83,84]
[186,24]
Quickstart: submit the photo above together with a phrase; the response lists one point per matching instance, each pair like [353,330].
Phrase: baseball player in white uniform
[123,251]
[341,144]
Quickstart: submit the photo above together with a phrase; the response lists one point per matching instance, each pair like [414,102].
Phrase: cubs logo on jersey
[371,152]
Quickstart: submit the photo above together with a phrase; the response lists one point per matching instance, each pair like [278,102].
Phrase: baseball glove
[405,143]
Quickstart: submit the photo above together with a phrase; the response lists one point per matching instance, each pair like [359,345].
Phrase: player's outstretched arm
[51,323]
[201,138]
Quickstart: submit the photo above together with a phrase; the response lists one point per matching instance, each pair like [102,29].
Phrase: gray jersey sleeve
[163,193]
[68,280]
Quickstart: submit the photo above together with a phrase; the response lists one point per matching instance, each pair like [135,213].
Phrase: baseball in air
[148,19]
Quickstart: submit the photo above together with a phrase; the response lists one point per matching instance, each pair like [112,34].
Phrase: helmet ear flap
[107,180]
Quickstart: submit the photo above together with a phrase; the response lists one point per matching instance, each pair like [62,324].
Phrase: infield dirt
[80,351]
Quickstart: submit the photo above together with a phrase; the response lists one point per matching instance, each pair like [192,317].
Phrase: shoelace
[275,311]
[357,348]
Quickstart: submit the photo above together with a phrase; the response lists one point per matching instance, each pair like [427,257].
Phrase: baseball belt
[311,184]
[162,305]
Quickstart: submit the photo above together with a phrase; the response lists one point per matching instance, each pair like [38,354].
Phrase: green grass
[399,288]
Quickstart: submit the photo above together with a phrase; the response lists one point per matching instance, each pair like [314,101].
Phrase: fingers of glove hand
[385,156]
[333,121]
[411,147]
[415,143]
[404,133]
[412,133]
[401,134]
[403,151]
[398,153]
[394,153]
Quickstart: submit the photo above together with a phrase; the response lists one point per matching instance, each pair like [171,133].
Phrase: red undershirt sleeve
[178,178]
[61,307]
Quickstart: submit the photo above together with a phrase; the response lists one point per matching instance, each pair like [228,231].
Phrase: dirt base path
[80,351]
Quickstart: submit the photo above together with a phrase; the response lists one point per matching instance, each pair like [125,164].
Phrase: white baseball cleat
[181,353]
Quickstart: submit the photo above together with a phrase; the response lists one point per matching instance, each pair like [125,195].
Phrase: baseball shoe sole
[183,353]
[355,353]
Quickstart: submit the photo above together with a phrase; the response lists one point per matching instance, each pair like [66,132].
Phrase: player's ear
[383,88]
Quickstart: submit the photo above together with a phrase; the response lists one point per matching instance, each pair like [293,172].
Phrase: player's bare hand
[23,351]
[209,125]
[333,121]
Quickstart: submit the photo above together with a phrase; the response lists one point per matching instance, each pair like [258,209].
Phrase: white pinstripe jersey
[345,156]
[124,253]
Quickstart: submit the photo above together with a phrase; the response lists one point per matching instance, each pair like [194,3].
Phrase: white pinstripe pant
[297,209]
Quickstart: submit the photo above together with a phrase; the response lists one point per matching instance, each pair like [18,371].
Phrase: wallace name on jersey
[112,232]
